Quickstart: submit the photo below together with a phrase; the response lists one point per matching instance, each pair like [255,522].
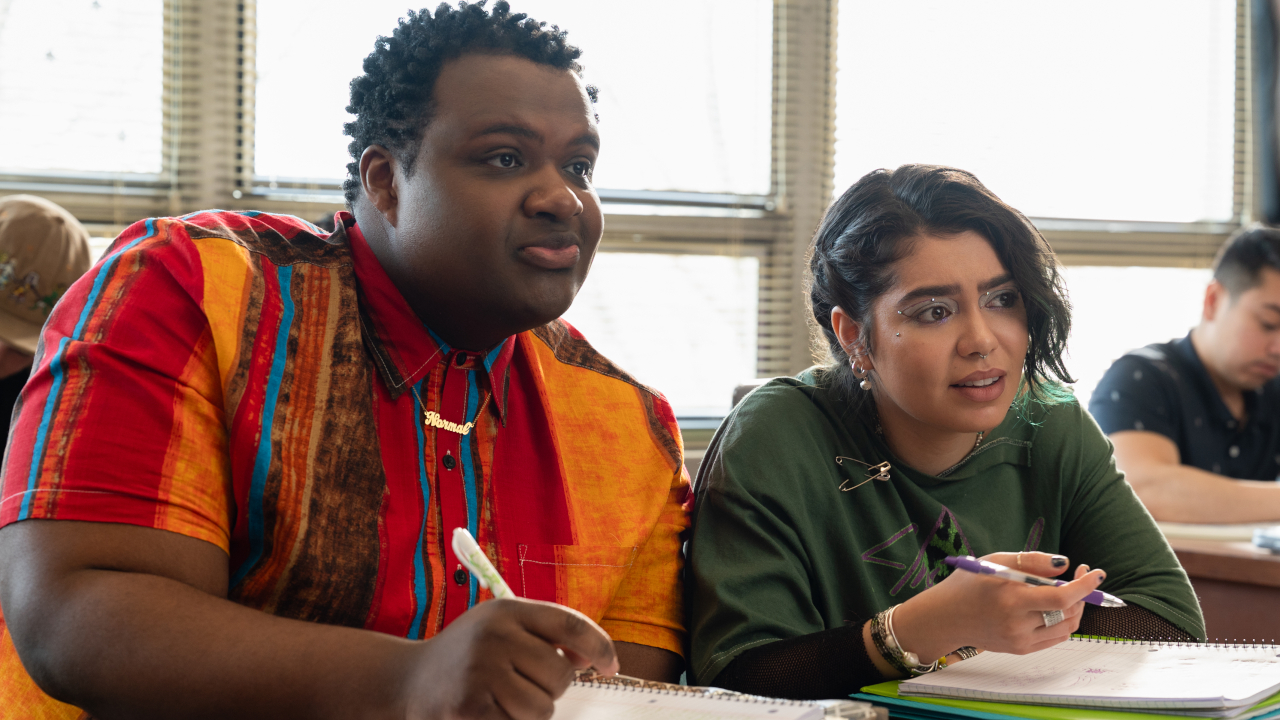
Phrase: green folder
[976,709]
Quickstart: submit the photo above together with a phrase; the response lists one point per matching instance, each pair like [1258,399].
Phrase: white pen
[474,559]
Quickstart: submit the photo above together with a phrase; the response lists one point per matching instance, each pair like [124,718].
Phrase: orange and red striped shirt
[246,380]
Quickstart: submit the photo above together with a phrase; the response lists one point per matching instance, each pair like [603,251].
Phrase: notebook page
[1119,675]
[584,701]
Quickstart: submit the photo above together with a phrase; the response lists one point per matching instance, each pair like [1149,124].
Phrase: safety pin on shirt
[874,472]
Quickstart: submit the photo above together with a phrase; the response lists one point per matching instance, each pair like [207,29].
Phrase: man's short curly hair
[393,99]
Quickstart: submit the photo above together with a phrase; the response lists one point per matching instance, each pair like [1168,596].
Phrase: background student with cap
[43,249]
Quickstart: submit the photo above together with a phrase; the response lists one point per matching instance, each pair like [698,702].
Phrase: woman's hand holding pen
[991,613]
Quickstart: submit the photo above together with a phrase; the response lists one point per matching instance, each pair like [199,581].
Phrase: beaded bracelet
[880,638]
[965,653]
[882,635]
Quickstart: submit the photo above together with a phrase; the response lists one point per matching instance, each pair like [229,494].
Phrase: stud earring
[897,334]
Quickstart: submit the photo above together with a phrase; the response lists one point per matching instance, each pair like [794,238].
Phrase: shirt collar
[404,348]
[1218,406]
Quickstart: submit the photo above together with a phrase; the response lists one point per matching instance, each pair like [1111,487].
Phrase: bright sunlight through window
[81,84]
[708,132]
[682,324]
[1090,109]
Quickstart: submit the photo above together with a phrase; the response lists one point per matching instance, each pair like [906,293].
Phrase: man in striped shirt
[235,471]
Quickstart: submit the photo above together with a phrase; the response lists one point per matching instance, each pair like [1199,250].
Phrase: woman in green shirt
[827,502]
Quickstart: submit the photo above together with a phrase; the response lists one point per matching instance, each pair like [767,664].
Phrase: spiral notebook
[599,698]
[1189,679]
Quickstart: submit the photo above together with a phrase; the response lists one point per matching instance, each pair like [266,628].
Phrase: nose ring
[984,357]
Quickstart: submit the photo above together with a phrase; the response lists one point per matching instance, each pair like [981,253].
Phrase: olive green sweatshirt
[778,550]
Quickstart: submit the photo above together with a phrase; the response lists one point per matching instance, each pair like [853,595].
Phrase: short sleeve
[644,610]
[1134,395]
[1106,526]
[122,420]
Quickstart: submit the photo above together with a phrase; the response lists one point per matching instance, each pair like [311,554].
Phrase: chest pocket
[585,577]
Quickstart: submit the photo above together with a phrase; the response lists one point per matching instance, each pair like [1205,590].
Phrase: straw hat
[43,249]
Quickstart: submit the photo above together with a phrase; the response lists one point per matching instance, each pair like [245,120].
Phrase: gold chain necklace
[433,419]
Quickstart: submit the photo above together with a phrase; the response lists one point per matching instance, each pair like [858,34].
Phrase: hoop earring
[863,374]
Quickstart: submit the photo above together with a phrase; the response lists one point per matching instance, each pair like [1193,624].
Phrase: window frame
[209,88]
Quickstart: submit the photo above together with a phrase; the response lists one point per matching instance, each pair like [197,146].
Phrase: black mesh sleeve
[835,663]
[828,664]
[1130,623]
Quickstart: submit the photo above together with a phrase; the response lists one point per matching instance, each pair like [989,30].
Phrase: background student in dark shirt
[43,249]
[1196,421]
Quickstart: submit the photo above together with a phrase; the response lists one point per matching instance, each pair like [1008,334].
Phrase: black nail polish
[1102,576]
[1058,561]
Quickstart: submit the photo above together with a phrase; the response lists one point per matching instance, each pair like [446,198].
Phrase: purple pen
[982,567]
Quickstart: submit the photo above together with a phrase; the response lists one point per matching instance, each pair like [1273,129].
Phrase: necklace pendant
[433,419]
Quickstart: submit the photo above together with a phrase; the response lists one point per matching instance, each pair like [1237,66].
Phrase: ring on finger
[1053,617]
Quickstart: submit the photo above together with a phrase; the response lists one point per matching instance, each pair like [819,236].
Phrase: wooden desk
[1238,586]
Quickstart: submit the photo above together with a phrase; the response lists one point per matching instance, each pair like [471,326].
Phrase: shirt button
[460,576]
[460,359]
[1234,451]
[448,461]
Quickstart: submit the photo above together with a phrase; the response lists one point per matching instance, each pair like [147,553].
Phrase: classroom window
[1093,109]
[682,324]
[1118,309]
[81,85]
[707,132]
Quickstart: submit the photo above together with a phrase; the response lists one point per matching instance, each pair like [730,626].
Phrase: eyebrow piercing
[930,300]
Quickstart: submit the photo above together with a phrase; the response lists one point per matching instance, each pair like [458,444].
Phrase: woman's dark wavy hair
[393,100]
[872,226]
